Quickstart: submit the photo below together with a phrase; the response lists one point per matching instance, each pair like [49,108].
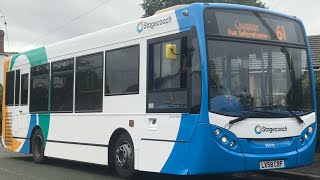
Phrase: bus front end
[259,95]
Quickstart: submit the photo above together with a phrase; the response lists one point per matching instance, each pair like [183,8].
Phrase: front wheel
[38,147]
[123,156]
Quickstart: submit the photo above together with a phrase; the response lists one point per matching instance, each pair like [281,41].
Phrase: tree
[151,6]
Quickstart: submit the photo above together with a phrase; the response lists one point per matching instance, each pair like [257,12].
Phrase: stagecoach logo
[257,129]
[150,25]
[140,27]
[262,129]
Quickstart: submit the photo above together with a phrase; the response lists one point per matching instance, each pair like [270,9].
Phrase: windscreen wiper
[254,114]
[288,109]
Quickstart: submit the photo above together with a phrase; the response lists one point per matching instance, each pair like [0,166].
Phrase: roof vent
[171,8]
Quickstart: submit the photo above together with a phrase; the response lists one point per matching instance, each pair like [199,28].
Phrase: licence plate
[272,164]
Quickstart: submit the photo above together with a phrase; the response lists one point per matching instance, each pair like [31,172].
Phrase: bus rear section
[261,98]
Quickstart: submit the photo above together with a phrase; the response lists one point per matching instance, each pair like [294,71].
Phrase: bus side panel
[158,141]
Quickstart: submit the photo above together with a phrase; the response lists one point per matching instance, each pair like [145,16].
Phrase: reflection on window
[122,71]
[24,89]
[195,75]
[62,86]
[257,75]
[9,88]
[17,88]
[168,73]
[39,92]
[168,84]
[89,83]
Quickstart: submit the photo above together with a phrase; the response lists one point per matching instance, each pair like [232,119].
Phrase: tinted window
[9,88]
[17,88]
[122,71]
[24,89]
[62,86]
[89,82]
[39,92]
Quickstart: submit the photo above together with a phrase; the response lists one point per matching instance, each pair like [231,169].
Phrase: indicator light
[301,140]
[217,132]
[310,130]
[232,144]
[306,136]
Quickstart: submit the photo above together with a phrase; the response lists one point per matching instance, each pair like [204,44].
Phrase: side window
[89,72]
[24,89]
[167,89]
[195,75]
[62,75]
[122,71]
[9,88]
[39,88]
[17,88]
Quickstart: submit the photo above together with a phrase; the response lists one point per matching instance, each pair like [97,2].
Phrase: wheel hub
[124,155]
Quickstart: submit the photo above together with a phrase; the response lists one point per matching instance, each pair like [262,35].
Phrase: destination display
[252,25]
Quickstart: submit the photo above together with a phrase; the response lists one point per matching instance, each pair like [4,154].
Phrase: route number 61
[281,33]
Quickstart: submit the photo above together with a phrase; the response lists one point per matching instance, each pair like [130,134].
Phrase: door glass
[24,89]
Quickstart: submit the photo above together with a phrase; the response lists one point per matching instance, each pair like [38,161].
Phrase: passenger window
[9,88]
[24,89]
[17,88]
[122,71]
[167,89]
[39,92]
[62,75]
[89,82]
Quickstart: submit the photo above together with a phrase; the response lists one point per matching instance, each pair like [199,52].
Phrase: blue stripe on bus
[177,162]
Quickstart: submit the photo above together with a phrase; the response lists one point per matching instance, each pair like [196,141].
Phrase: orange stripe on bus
[6,128]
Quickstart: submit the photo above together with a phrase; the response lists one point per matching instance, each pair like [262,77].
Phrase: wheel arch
[112,141]
[33,130]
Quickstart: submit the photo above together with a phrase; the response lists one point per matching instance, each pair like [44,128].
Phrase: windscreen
[252,25]
[245,77]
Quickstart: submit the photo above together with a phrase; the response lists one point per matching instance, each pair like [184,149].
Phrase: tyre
[38,147]
[123,156]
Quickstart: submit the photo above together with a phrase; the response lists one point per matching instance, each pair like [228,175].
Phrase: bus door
[173,75]
[23,108]
[15,105]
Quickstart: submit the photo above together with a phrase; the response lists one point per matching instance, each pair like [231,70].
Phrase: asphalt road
[15,166]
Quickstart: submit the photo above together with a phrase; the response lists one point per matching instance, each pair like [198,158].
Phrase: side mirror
[171,51]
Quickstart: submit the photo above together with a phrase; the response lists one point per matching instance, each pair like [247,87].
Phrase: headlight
[306,135]
[224,139]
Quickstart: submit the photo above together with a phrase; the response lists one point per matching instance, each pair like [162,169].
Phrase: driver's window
[39,88]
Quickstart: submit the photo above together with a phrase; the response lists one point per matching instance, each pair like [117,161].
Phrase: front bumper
[204,155]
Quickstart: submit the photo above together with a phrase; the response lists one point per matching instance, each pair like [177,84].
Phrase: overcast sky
[35,23]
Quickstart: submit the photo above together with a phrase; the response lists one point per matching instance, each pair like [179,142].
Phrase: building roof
[314,42]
